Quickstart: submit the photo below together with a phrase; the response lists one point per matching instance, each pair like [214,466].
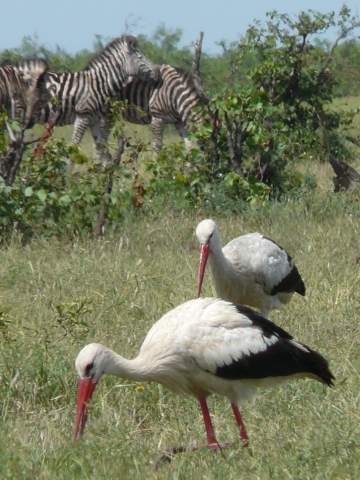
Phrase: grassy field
[136,133]
[55,297]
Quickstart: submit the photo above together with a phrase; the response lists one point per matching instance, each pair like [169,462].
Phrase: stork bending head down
[205,346]
[250,270]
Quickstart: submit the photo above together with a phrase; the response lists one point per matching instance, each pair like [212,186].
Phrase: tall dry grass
[57,296]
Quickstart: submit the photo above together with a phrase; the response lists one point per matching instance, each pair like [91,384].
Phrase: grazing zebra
[172,101]
[22,90]
[80,98]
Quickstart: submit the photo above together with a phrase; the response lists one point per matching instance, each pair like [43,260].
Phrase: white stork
[250,270]
[205,346]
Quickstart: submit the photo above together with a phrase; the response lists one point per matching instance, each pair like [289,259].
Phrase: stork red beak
[85,392]
[204,253]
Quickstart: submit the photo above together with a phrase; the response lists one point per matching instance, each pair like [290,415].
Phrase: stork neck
[219,263]
[217,258]
[122,367]
[215,243]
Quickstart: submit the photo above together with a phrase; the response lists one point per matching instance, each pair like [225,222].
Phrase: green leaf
[65,199]
[28,191]
[231,178]
[42,195]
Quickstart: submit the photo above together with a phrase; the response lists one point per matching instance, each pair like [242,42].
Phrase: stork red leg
[243,433]
[210,433]
[205,346]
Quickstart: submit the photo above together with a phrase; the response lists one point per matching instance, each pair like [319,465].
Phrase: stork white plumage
[250,270]
[202,347]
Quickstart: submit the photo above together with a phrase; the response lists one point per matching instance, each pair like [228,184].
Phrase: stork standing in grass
[205,346]
[250,270]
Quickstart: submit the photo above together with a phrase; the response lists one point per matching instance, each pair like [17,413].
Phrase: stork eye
[88,369]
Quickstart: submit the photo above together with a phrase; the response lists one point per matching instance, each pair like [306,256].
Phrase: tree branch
[103,212]
[196,70]
[10,161]
[234,145]
[347,178]
[321,78]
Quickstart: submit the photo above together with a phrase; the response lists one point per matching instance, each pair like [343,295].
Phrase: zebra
[172,101]
[80,98]
[22,90]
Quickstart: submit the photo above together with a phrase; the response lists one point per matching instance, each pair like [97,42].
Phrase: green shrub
[46,200]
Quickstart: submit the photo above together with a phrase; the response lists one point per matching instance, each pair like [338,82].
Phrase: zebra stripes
[171,102]
[80,98]
[22,90]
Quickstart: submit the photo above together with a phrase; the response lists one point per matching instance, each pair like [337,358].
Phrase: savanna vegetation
[281,100]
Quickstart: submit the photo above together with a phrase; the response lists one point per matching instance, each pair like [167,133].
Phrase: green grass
[56,297]
[136,134]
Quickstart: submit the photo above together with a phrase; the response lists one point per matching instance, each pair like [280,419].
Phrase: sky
[73,24]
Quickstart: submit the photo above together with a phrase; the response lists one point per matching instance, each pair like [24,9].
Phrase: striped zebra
[22,90]
[172,101]
[81,98]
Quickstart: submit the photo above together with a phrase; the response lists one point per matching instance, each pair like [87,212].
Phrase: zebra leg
[157,129]
[100,133]
[80,125]
[183,131]
[189,144]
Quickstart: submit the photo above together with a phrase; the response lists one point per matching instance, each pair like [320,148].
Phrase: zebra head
[121,60]
[37,95]
[138,64]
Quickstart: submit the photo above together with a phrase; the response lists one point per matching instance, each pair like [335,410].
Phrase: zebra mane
[116,44]
[184,74]
[179,70]
[27,64]
[33,64]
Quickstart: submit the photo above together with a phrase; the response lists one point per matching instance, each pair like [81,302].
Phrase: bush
[46,200]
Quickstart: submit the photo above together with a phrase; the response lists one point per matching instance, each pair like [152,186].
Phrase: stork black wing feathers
[282,358]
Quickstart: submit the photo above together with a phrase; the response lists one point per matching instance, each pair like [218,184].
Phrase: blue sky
[73,24]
